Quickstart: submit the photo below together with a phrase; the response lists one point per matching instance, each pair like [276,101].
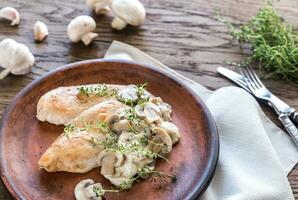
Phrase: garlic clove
[10,14]
[40,31]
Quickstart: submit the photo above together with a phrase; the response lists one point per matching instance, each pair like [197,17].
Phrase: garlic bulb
[15,58]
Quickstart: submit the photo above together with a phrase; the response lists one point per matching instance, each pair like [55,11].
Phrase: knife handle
[294,118]
[291,128]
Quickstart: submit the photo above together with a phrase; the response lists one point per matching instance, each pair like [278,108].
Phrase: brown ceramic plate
[24,138]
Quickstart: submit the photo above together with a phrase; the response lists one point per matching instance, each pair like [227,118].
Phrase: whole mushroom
[99,6]
[88,190]
[15,58]
[81,29]
[10,14]
[130,12]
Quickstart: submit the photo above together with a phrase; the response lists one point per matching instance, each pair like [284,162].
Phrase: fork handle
[291,128]
[294,118]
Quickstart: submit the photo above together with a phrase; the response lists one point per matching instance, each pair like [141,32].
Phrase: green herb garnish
[274,43]
[99,90]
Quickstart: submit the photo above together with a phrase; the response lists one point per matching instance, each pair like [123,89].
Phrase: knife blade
[238,79]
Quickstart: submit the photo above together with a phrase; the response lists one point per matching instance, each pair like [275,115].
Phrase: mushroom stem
[118,24]
[101,8]
[4,73]
[87,38]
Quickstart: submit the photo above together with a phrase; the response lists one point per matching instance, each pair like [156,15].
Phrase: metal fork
[258,89]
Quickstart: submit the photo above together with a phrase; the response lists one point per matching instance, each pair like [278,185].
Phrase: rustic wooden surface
[182,34]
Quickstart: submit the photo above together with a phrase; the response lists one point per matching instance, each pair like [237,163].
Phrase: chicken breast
[75,151]
[61,105]
[72,153]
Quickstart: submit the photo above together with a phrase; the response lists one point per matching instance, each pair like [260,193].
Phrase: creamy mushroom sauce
[136,135]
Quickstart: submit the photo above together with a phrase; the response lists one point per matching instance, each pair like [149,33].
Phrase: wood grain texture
[181,34]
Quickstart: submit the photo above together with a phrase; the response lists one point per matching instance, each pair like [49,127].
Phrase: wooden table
[182,34]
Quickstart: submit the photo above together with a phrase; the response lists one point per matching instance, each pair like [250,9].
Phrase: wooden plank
[182,34]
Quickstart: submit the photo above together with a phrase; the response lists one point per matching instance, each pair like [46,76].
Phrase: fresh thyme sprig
[274,43]
[99,90]
[141,89]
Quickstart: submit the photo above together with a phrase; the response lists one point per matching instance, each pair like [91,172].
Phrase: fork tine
[247,79]
[256,77]
[252,75]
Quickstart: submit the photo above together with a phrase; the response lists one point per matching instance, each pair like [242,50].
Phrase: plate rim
[214,142]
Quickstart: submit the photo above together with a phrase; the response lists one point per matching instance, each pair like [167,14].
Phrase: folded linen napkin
[255,155]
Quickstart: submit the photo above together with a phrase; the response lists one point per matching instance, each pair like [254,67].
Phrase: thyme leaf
[99,90]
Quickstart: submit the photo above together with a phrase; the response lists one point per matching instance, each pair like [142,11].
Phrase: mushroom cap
[130,11]
[15,56]
[79,27]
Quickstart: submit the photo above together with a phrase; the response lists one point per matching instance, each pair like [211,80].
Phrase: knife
[238,79]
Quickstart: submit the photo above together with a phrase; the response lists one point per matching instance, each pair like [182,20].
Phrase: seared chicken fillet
[74,151]
[61,105]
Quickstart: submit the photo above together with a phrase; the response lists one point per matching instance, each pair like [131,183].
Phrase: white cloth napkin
[255,155]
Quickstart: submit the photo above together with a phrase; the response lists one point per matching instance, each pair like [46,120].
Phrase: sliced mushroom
[85,190]
[161,142]
[140,111]
[111,120]
[109,160]
[121,125]
[115,124]
[129,93]
[141,160]
[172,130]
[121,112]
[165,109]
[127,138]
[152,112]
